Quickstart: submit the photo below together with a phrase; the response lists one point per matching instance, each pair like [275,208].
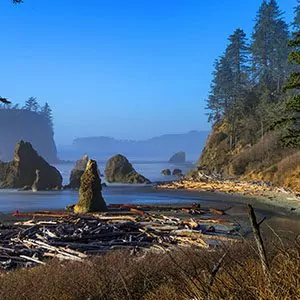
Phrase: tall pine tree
[46,112]
[269,46]
[31,104]
[230,83]
[221,87]
[296,22]
[291,121]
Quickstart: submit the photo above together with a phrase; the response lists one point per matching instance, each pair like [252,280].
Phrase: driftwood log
[75,237]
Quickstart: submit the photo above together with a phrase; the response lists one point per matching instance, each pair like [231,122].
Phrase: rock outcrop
[28,169]
[177,172]
[178,158]
[77,172]
[20,124]
[264,159]
[119,169]
[166,172]
[90,192]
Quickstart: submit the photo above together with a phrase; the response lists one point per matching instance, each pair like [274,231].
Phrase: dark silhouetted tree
[291,120]
[230,83]
[269,46]
[31,104]
[46,112]
[296,22]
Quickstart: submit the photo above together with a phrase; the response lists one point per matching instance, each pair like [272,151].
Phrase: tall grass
[179,274]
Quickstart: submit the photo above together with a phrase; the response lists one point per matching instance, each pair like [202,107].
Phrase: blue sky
[126,69]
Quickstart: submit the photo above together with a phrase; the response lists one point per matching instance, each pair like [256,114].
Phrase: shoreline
[265,197]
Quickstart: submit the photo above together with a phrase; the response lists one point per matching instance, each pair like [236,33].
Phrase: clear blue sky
[126,69]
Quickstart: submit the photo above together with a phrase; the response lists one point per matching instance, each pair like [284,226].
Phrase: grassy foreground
[182,274]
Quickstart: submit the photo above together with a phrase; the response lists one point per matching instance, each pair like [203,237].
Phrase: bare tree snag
[258,239]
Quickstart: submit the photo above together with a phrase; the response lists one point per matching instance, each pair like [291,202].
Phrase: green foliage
[230,78]
[246,90]
[291,120]
[269,46]
[296,23]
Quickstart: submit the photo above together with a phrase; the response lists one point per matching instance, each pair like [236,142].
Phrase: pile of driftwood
[210,184]
[75,237]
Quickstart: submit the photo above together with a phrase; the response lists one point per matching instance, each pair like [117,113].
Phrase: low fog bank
[159,148]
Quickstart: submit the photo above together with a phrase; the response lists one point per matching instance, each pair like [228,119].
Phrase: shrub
[182,274]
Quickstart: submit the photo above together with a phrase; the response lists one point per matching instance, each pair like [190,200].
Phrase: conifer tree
[46,112]
[269,46]
[291,121]
[221,87]
[230,82]
[31,104]
[296,22]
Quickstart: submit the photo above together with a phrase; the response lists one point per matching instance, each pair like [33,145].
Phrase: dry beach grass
[182,274]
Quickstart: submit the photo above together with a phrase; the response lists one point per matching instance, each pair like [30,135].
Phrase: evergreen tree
[46,112]
[269,46]
[296,23]
[291,120]
[221,87]
[230,77]
[237,53]
[230,83]
[31,104]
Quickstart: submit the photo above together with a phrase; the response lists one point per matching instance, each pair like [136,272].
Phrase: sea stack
[178,158]
[28,168]
[90,192]
[77,172]
[119,169]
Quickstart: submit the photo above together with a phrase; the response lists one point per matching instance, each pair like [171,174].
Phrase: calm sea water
[12,200]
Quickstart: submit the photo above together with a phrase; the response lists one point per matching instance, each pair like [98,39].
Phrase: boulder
[119,169]
[22,171]
[178,158]
[166,172]
[177,172]
[90,192]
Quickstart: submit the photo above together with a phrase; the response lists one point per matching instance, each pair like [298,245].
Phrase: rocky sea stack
[28,169]
[178,158]
[119,169]
[90,192]
[77,172]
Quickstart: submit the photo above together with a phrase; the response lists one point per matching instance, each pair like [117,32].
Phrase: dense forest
[253,103]
[32,123]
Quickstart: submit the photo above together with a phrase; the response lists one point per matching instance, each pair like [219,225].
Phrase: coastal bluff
[21,124]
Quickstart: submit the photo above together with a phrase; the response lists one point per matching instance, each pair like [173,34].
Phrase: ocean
[24,201]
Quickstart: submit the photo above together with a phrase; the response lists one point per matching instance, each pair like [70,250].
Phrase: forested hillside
[30,123]
[254,102]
